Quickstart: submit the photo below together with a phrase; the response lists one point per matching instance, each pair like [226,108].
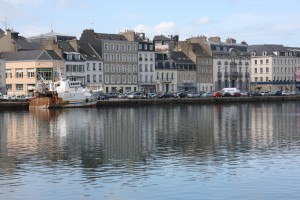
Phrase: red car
[217,94]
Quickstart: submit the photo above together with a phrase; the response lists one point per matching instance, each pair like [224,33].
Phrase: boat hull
[45,103]
[79,104]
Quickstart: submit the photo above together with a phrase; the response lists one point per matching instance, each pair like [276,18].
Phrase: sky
[252,21]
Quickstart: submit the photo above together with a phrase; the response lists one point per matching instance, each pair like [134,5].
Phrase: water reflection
[137,143]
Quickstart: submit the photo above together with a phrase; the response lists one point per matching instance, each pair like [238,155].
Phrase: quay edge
[170,101]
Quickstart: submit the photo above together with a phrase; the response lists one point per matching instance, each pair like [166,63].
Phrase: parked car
[236,94]
[226,94]
[6,97]
[122,95]
[217,94]
[181,95]
[207,94]
[278,93]
[193,95]
[165,95]
[112,95]
[103,96]
[135,95]
[152,95]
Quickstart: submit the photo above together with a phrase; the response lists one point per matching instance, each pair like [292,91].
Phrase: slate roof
[88,52]
[1,32]
[107,36]
[161,38]
[198,50]
[269,48]
[30,55]
[180,58]
[65,46]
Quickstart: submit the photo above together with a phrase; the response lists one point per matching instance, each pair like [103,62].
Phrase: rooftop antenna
[51,25]
[5,23]
[92,24]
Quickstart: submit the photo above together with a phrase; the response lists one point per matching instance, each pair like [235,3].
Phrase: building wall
[166,80]
[273,73]
[6,42]
[120,59]
[2,77]
[146,71]
[26,83]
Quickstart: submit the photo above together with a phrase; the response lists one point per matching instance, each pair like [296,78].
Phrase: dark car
[103,96]
[165,95]
[278,93]
[181,95]
[226,94]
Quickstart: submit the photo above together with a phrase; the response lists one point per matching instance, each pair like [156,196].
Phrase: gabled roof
[161,38]
[30,55]
[88,52]
[25,44]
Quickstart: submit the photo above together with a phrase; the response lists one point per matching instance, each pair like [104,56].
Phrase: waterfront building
[146,61]
[219,64]
[2,77]
[166,73]
[119,60]
[24,68]
[275,67]
[186,72]
[10,41]
[93,66]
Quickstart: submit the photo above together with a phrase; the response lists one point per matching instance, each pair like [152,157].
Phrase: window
[118,79]
[106,58]
[117,47]
[105,46]
[100,78]
[100,66]
[267,70]
[106,78]
[261,79]
[94,78]
[145,47]
[140,57]
[87,66]
[113,78]
[8,73]
[267,61]
[94,66]
[151,47]
[255,62]
[260,70]
[255,70]
[9,87]
[106,68]
[123,47]
[30,73]
[140,46]
[112,57]
[88,78]
[134,47]
[261,62]
[19,73]
[112,46]
[118,58]
[128,58]
[19,87]
[267,79]
[129,47]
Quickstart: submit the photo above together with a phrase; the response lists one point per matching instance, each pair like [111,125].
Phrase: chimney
[231,41]
[215,39]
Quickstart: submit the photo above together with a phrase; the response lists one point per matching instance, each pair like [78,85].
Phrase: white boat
[73,94]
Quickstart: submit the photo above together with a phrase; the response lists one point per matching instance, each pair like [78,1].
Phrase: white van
[230,90]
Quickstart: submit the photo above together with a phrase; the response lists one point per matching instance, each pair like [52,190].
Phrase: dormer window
[265,53]
[77,56]
[69,56]
[253,53]
[218,48]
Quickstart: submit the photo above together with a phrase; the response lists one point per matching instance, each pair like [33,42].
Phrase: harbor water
[215,151]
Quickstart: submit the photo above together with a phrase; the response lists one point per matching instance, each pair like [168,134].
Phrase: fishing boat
[73,94]
[62,93]
[44,98]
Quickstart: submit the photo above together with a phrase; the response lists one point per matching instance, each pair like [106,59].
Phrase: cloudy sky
[253,21]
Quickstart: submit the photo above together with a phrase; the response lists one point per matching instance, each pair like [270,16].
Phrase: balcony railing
[226,74]
[219,74]
[233,74]
[166,79]
[247,75]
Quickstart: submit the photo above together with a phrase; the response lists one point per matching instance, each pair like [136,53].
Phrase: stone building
[219,64]
[275,67]
[119,60]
